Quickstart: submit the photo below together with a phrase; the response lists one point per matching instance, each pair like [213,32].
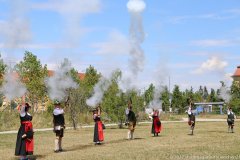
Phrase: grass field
[211,141]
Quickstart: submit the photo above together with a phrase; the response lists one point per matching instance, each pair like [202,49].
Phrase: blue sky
[193,42]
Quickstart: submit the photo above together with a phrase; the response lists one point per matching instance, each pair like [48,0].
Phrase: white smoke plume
[60,82]
[127,81]
[160,75]
[136,61]
[98,92]
[12,87]
[225,93]
[136,33]
[16,30]
[156,103]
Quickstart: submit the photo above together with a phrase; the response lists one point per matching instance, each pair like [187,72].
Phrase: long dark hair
[27,107]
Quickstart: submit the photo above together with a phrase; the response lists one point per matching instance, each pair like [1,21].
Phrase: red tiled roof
[81,75]
[50,73]
[237,72]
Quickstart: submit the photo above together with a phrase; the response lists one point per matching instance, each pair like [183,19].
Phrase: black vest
[58,120]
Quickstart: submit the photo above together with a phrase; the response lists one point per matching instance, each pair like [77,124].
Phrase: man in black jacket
[58,125]
[131,121]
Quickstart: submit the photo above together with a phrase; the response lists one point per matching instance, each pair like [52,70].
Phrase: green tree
[3,68]
[32,74]
[177,100]
[165,99]
[205,93]
[212,96]
[235,100]
[149,94]
[111,103]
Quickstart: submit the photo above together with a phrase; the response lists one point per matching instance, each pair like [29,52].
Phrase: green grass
[211,141]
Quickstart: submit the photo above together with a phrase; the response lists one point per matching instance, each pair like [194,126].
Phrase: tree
[235,100]
[111,103]
[3,68]
[165,98]
[212,97]
[205,93]
[73,102]
[149,94]
[32,74]
[177,100]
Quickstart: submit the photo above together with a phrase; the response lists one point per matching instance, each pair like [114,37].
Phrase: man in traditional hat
[191,118]
[230,120]
[131,118]
[58,125]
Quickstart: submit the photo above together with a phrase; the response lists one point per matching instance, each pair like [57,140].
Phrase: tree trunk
[120,124]
[73,117]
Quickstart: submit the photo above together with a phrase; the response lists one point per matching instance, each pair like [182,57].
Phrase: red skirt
[157,126]
[98,132]
[29,140]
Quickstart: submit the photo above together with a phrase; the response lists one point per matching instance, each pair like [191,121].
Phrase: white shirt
[231,112]
[58,111]
[189,111]
[23,112]
[127,111]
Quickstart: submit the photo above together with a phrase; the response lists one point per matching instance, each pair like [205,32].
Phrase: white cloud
[70,7]
[223,15]
[117,43]
[215,43]
[213,64]
[36,46]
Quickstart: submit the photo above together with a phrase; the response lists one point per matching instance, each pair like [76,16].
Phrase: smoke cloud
[61,81]
[156,103]
[136,6]
[16,30]
[98,92]
[136,38]
[225,94]
[12,87]
[137,35]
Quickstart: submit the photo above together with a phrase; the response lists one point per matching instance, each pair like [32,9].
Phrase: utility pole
[169,92]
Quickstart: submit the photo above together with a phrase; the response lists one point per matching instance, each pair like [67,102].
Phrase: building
[81,75]
[236,76]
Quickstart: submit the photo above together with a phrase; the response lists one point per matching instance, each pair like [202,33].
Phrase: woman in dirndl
[98,128]
[156,125]
[24,143]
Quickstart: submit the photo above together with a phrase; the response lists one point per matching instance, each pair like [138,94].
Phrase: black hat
[56,102]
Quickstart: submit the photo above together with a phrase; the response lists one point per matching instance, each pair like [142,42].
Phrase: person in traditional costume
[131,121]
[156,125]
[191,118]
[58,126]
[25,143]
[230,120]
[98,137]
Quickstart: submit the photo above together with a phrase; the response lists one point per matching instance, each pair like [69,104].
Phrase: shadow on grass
[217,131]
[79,147]
[87,146]
[138,138]
[34,157]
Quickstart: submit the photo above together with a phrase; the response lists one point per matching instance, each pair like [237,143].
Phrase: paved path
[114,124]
